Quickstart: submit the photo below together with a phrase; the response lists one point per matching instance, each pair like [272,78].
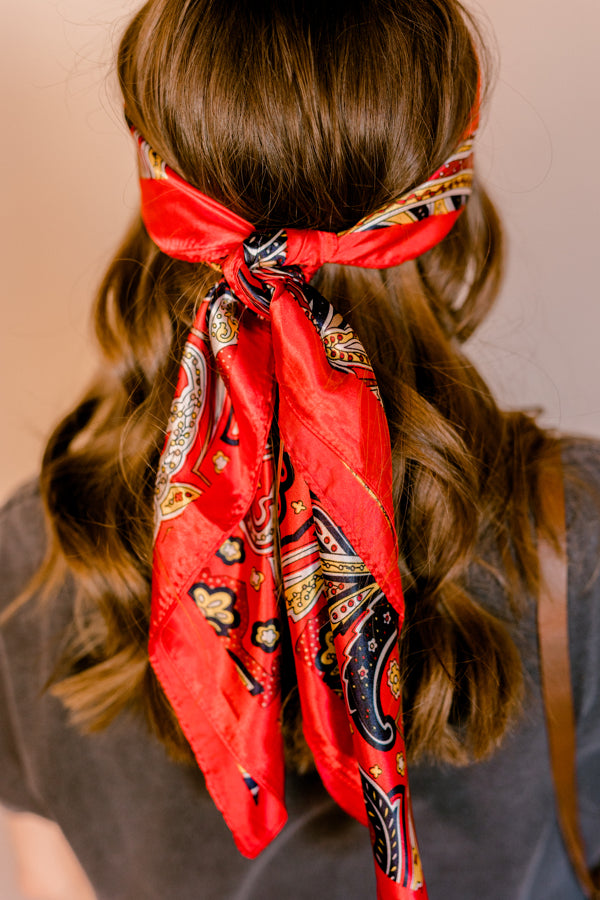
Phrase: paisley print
[446,191]
[367,653]
[288,554]
[326,658]
[186,413]
[393,677]
[266,635]
[224,319]
[232,551]
[386,812]
[274,515]
[342,347]
[389,820]
[217,605]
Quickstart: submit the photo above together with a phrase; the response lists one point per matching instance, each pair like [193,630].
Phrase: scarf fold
[275,519]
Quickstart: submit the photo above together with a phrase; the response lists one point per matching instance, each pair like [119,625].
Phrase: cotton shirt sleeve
[21,548]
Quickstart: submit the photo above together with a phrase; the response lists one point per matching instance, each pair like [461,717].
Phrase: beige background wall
[68,188]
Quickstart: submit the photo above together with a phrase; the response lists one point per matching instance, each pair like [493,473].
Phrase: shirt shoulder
[23,540]
[581,465]
[22,548]
[581,460]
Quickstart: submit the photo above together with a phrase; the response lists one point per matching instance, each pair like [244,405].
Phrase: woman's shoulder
[581,467]
[581,463]
[581,456]
[21,503]
[22,539]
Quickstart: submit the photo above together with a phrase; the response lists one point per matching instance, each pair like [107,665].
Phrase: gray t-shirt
[144,828]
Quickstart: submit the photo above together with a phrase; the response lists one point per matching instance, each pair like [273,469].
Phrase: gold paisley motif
[417,872]
[215,605]
[300,597]
[231,550]
[402,218]
[157,164]
[400,763]
[219,460]
[393,679]
[342,340]
[225,325]
[328,656]
[334,567]
[256,579]
[178,497]
[267,635]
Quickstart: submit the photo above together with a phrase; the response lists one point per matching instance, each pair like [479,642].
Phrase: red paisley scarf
[274,516]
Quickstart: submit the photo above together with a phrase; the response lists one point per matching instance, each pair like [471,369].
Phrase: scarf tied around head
[274,516]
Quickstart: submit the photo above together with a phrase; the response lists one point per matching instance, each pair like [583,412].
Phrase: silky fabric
[274,516]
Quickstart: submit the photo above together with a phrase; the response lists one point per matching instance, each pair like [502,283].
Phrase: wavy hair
[292,116]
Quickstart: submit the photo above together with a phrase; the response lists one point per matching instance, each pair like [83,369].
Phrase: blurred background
[69,188]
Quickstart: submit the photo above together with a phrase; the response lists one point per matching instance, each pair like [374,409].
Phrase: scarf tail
[215,626]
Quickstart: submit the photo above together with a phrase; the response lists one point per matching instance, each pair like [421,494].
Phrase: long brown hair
[298,116]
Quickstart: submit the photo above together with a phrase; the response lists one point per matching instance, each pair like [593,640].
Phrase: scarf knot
[254,268]
[255,505]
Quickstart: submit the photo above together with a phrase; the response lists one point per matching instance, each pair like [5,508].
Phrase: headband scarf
[275,531]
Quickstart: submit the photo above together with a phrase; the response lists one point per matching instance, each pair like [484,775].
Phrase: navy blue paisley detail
[358,586]
[319,308]
[267,252]
[260,291]
[342,542]
[362,674]
[265,249]
[326,659]
[214,295]
[387,818]
[292,538]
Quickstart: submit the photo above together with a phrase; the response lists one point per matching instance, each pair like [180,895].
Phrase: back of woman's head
[298,113]
[307,115]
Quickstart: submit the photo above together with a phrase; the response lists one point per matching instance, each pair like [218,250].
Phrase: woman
[306,124]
